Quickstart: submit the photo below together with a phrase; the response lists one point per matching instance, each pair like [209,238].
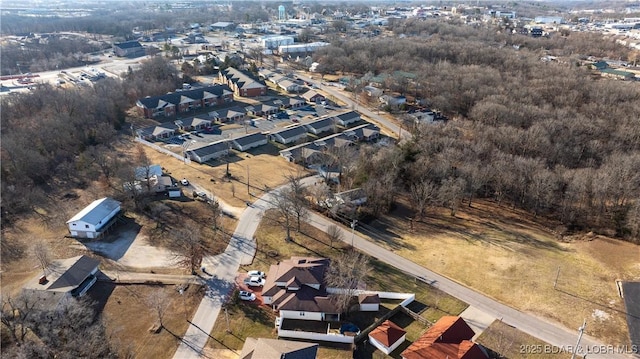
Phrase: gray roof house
[347,118]
[368,132]
[262,348]
[319,126]
[229,114]
[289,135]
[313,96]
[288,85]
[65,278]
[94,219]
[247,142]
[292,102]
[209,152]
[160,131]
[262,109]
[194,123]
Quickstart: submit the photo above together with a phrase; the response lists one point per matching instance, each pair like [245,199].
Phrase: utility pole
[580,332]
[184,304]
[555,282]
[226,315]
[353,228]
[248,191]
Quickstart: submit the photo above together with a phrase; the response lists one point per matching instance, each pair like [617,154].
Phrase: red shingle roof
[387,333]
[450,337]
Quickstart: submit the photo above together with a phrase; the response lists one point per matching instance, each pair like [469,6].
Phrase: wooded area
[54,139]
[548,137]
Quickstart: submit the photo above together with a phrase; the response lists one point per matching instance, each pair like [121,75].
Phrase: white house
[319,126]
[387,337]
[369,302]
[210,151]
[289,135]
[347,118]
[248,142]
[94,219]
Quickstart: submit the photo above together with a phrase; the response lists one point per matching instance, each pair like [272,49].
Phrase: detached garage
[94,219]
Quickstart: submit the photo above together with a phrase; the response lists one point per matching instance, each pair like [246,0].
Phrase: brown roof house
[296,289]
[387,336]
[261,348]
[449,338]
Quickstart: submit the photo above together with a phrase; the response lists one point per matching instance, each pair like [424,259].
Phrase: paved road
[240,251]
[552,333]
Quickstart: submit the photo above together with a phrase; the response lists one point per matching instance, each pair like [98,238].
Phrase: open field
[249,319]
[512,343]
[507,255]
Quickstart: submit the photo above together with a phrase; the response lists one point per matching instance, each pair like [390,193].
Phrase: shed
[387,337]
[369,302]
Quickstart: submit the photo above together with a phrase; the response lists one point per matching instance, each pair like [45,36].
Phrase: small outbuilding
[387,337]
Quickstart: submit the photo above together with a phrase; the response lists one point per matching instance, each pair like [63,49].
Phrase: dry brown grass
[512,343]
[129,317]
[266,169]
[507,255]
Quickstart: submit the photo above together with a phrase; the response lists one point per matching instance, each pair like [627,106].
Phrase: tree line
[547,137]
[55,139]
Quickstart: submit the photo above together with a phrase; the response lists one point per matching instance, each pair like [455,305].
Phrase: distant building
[242,83]
[301,48]
[549,20]
[184,101]
[273,42]
[128,49]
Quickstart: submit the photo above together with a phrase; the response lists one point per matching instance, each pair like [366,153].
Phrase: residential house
[312,96]
[184,101]
[393,100]
[292,102]
[65,278]
[235,114]
[356,197]
[372,92]
[242,83]
[321,125]
[210,151]
[265,73]
[146,172]
[289,135]
[128,49]
[94,219]
[288,86]
[295,288]
[262,109]
[426,116]
[347,118]
[387,337]
[599,65]
[363,133]
[248,142]
[450,337]
[262,348]
[194,123]
[158,132]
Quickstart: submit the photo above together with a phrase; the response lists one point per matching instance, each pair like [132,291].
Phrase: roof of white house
[96,211]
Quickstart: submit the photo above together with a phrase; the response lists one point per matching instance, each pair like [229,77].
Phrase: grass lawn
[250,320]
[512,343]
[507,255]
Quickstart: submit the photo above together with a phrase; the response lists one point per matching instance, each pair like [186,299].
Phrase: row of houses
[179,102]
[221,148]
[311,153]
[295,133]
[242,83]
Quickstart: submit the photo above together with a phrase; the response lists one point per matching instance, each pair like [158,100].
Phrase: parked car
[256,273]
[248,296]
[254,281]
[184,182]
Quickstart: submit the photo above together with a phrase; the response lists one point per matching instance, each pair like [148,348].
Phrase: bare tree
[285,214]
[451,193]
[345,273]
[41,252]
[187,247]
[335,234]
[17,313]
[297,198]
[422,192]
[159,303]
